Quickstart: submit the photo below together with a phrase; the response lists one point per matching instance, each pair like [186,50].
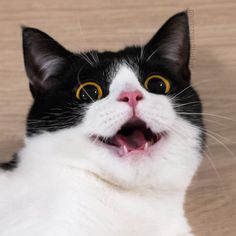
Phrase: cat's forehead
[110,66]
[125,78]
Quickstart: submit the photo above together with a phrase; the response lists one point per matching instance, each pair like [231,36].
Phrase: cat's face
[123,115]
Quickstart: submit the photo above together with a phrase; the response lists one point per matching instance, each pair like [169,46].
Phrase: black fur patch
[11,165]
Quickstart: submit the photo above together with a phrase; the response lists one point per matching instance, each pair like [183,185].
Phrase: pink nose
[131,97]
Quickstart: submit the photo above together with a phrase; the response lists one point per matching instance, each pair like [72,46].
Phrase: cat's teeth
[146,146]
[125,149]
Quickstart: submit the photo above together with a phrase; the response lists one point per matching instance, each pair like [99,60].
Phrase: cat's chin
[134,138]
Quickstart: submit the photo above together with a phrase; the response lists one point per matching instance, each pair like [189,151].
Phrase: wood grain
[103,24]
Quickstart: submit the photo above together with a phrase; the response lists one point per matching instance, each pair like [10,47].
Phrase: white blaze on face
[111,114]
[124,80]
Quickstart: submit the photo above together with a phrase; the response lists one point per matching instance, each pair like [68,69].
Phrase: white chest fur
[56,189]
[66,201]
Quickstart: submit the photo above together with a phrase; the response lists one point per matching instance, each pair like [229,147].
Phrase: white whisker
[153,53]
[207,114]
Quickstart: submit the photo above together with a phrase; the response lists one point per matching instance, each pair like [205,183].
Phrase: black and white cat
[113,140]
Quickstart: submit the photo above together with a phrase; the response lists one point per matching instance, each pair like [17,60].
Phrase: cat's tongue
[135,141]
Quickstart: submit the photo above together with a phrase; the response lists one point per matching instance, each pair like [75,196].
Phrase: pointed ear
[171,42]
[44,59]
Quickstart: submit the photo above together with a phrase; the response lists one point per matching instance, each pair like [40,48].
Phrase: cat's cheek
[158,113]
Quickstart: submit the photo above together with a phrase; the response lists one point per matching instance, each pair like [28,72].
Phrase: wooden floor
[103,24]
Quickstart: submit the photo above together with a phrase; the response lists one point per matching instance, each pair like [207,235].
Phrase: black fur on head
[54,73]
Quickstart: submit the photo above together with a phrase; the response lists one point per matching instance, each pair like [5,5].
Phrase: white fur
[66,185]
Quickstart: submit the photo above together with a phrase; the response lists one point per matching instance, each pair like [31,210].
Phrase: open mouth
[134,136]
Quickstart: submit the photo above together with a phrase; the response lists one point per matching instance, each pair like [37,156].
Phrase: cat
[112,142]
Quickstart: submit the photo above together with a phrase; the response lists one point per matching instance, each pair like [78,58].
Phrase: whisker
[185,104]
[86,58]
[141,53]
[213,121]
[188,87]
[207,114]
[216,134]
[94,56]
[210,160]
[95,140]
[88,95]
[211,136]
[223,144]
[153,53]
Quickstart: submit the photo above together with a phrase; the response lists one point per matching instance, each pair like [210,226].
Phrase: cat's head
[130,117]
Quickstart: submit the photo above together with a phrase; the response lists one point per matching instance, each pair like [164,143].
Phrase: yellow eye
[89,91]
[157,84]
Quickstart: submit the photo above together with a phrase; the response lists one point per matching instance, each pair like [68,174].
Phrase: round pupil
[156,86]
[89,93]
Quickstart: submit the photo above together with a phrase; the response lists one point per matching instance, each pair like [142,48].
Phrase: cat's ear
[44,59]
[171,42]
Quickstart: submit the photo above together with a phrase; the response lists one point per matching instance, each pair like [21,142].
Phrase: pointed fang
[125,149]
[146,146]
